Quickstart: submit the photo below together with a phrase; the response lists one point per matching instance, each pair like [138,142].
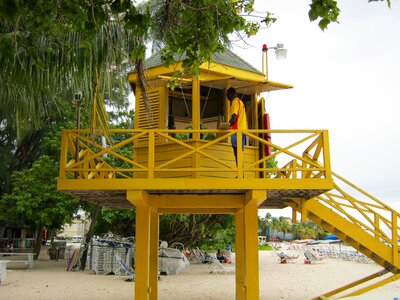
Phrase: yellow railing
[357,206]
[302,153]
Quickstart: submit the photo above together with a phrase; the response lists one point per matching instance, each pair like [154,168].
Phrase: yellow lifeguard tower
[181,161]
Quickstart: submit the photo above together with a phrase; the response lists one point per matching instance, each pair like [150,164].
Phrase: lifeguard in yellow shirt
[237,117]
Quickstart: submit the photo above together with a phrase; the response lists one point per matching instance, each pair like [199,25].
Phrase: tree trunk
[2,231]
[51,235]
[38,241]
[94,216]
[3,227]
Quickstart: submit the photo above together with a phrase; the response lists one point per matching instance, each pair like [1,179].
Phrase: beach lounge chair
[196,256]
[124,268]
[200,256]
[285,258]
[218,268]
[312,258]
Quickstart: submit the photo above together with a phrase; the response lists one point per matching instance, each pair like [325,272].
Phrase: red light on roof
[264,48]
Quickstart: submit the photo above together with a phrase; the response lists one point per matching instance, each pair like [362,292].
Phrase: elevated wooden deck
[113,191]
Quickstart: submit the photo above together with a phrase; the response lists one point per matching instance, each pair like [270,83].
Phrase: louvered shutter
[147,119]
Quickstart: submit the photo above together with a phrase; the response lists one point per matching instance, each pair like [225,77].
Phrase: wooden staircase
[361,221]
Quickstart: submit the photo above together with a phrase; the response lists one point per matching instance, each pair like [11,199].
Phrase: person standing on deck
[237,118]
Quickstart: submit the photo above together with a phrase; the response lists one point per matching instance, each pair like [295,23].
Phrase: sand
[49,280]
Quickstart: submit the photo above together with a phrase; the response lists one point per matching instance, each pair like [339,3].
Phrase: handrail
[373,216]
[117,159]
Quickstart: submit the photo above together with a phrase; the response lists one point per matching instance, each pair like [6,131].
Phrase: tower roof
[226,57]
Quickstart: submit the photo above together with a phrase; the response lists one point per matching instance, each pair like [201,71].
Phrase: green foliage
[19,153]
[194,30]
[206,231]
[60,47]
[265,247]
[34,199]
[388,1]
[271,163]
[117,221]
[264,224]
[175,81]
[325,10]
[281,224]
[204,136]
[308,230]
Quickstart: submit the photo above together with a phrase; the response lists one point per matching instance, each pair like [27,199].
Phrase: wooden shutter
[145,119]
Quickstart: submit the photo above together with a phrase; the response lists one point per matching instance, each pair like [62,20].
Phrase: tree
[197,230]
[264,224]
[80,45]
[35,202]
[308,230]
[286,226]
[190,230]
[18,154]
[74,45]
[118,221]
[281,224]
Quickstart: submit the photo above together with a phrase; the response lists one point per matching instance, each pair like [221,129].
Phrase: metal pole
[77,101]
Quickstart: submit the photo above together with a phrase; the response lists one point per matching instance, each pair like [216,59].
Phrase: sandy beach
[49,280]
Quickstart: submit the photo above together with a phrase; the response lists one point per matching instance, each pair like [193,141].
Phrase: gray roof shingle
[226,57]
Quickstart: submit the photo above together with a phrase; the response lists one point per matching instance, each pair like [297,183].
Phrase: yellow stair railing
[360,220]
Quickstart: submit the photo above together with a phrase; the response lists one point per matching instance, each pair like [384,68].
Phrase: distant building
[78,227]
[22,237]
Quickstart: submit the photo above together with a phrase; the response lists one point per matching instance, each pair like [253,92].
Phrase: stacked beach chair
[103,252]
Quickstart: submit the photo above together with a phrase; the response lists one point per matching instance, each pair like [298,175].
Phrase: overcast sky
[346,80]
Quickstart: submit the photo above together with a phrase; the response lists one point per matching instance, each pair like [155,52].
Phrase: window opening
[184,100]
[205,104]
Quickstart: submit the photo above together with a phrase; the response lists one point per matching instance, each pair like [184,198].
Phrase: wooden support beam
[251,249]
[154,233]
[240,254]
[142,270]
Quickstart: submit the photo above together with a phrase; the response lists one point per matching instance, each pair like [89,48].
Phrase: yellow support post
[142,267]
[239,245]
[251,244]
[304,210]
[395,239]
[327,156]
[154,233]
[63,156]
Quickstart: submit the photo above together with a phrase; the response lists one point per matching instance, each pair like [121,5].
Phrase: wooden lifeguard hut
[180,160]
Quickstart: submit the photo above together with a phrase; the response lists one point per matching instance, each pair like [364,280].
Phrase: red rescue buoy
[267,136]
